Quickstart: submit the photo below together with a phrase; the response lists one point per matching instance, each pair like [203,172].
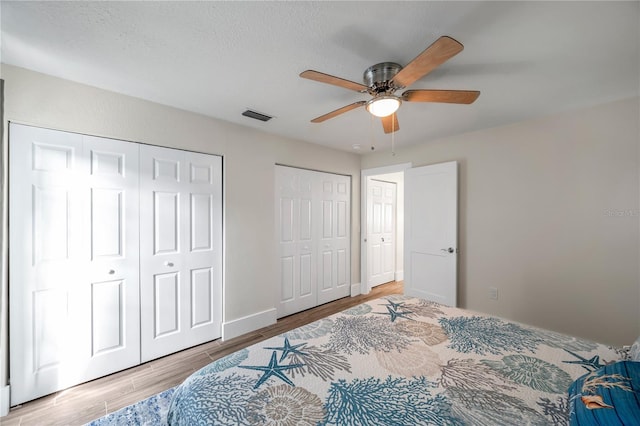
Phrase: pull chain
[393,135]
[373,136]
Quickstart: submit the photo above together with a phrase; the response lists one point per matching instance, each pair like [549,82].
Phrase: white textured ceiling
[529,59]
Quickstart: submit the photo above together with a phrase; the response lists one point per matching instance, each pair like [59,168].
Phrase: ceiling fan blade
[446,96]
[338,111]
[390,123]
[433,56]
[336,81]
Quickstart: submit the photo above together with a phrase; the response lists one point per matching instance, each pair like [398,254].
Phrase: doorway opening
[382,225]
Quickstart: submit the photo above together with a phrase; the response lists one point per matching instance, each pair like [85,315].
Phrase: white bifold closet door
[181,249]
[115,256]
[313,227]
[73,235]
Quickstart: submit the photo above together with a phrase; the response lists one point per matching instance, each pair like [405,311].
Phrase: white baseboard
[5,400]
[240,326]
[400,275]
[355,289]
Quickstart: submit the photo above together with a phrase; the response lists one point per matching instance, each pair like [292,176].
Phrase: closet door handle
[112,271]
[169,264]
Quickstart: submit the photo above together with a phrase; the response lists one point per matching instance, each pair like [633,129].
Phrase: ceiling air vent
[256,115]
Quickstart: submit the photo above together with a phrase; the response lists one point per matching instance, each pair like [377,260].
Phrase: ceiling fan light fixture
[383,106]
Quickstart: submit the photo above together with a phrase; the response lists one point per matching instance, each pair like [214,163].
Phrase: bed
[395,361]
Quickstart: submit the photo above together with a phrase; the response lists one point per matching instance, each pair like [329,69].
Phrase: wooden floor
[92,400]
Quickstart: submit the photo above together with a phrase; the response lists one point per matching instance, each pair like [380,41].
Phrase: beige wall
[549,214]
[249,158]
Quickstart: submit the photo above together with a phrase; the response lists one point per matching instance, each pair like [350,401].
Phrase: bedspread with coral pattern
[394,361]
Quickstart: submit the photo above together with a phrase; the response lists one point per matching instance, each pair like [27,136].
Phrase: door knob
[169,264]
[449,250]
[382,239]
[112,271]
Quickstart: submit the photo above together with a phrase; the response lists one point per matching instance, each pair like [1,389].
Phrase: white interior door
[381,231]
[431,221]
[73,247]
[334,252]
[180,250]
[295,231]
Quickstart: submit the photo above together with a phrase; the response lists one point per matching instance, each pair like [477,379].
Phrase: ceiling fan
[382,81]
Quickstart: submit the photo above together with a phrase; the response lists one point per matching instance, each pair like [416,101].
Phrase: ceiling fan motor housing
[378,78]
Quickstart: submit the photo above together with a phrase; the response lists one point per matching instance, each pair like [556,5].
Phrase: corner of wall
[355,289]
[5,401]
[249,323]
[4,256]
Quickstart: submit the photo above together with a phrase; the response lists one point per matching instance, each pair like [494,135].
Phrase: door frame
[365,288]
[387,182]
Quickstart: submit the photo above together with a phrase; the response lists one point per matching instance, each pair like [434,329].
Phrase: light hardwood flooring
[92,400]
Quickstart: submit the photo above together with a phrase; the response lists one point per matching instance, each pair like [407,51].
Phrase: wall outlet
[493,293]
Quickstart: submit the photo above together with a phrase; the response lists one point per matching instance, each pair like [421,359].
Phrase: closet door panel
[342,267]
[166,304]
[306,272]
[334,241]
[203,235]
[73,259]
[306,281]
[202,289]
[296,249]
[342,236]
[201,217]
[50,322]
[112,289]
[107,210]
[108,319]
[162,177]
[181,250]
[327,269]
[166,222]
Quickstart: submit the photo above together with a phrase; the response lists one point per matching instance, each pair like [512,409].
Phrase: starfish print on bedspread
[394,313]
[288,349]
[273,369]
[590,364]
[394,305]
